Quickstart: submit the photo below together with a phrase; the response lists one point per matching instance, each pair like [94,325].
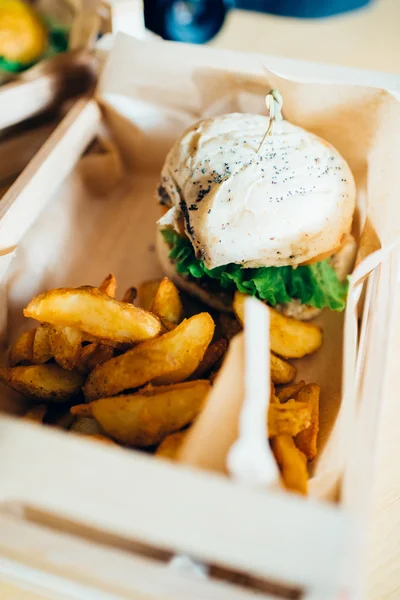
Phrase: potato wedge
[212,355]
[167,303]
[147,292]
[292,463]
[36,414]
[147,417]
[49,383]
[92,355]
[94,313]
[170,358]
[238,306]
[65,344]
[171,445]
[109,286]
[289,418]
[22,350]
[81,410]
[281,370]
[130,295]
[289,338]
[290,391]
[41,345]
[306,440]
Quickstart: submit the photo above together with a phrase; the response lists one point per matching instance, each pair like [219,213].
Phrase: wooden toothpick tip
[274,103]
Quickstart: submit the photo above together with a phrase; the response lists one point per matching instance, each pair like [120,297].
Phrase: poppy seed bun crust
[285,205]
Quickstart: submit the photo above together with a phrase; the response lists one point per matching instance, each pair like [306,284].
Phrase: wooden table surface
[368,39]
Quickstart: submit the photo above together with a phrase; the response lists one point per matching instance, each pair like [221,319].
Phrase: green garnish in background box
[27,37]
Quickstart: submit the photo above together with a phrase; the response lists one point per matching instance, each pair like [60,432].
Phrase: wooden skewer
[274,103]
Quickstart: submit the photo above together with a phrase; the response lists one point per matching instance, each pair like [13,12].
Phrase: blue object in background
[310,9]
[198,21]
[192,21]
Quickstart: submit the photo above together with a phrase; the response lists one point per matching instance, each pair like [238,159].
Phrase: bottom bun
[294,309]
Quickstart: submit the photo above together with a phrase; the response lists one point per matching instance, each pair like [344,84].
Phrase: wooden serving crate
[79,520]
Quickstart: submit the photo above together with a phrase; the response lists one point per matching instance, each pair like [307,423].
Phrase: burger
[268,215]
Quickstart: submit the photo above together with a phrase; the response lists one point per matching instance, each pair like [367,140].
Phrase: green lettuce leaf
[316,285]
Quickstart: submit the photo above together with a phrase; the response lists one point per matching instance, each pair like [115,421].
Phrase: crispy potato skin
[290,391]
[306,440]
[109,286]
[96,314]
[167,303]
[288,419]
[65,344]
[93,355]
[49,382]
[292,462]
[36,414]
[147,292]
[130,295]
[289,338]
[170,446]
[170,358]
[146,418]
[41,345]
[281,370]
[22,350]
[213,354]
[32,347]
